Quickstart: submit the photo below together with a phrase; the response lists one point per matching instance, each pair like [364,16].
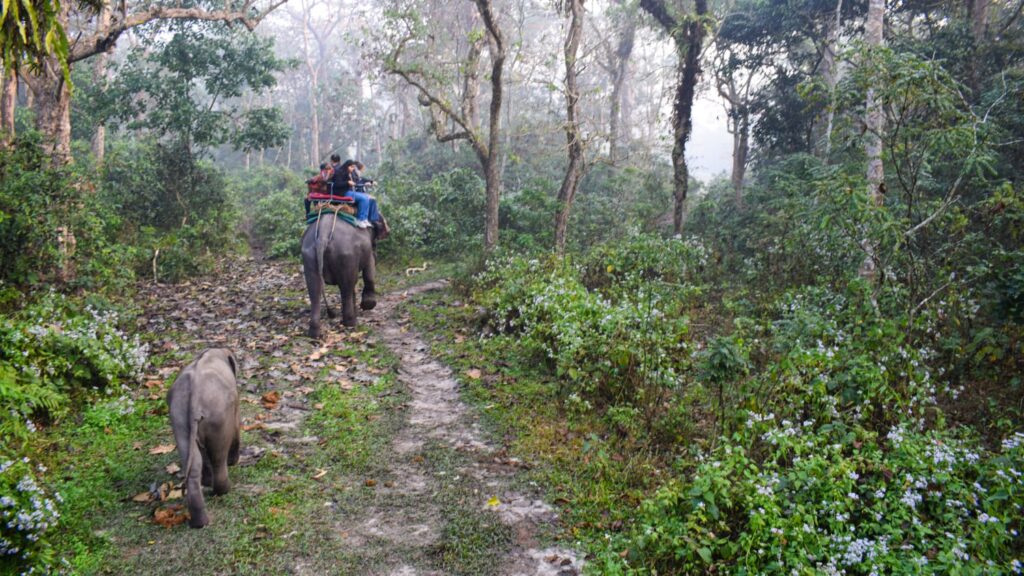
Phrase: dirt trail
[368,462]
[437,414]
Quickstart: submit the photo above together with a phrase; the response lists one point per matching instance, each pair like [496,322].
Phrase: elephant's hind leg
[219,450]
[233,451]
[348,297]
[369,299]
[194,489]
[314,285]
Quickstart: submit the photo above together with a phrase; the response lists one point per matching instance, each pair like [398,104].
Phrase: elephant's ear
[233,362]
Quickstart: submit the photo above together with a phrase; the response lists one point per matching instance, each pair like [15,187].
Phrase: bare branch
[104,40]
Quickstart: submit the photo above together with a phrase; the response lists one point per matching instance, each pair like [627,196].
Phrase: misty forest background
[808,363]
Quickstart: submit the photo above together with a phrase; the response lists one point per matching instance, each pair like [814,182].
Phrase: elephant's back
[339,238]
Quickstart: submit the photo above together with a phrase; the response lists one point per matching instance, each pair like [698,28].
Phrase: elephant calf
[203,406]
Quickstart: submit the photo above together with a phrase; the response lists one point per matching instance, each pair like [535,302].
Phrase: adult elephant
[335,252]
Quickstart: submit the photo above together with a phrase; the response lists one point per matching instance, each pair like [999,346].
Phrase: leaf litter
[246,311]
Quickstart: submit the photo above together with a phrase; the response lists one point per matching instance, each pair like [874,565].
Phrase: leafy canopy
[191,87]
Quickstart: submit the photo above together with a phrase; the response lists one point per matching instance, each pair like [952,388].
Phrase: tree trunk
[313,69]
[492,165]
[978,12]
[830,74]
[574,171]
[8,99]
[689,63]
[740,151]
[874,122]
[618,122]
[52,99]
[688,37]
[99,138]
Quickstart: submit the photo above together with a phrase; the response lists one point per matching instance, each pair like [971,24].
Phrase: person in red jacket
[319,184]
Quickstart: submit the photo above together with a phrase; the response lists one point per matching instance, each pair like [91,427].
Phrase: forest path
[358,456]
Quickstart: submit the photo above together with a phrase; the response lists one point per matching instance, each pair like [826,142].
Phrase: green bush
[623,349]
[437,218]
[810,497]
[35,202]
[278,223]
[167,200]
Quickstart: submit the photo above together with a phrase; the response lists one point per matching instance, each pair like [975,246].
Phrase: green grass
[275,516]
[473,539]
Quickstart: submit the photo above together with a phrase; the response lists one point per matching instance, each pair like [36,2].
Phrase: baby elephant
[204,416]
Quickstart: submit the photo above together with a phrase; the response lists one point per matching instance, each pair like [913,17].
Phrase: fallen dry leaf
[162,449]
[320,474]
[317,354]
[168,516]
[142,497]
[136,445]
[370,483]
[173,468]
[255,426]
[345,384]
[164,490]
[473,373]
[270,399]
[493,502]
[176,494]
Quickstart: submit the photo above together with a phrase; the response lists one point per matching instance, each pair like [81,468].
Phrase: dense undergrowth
[794,415]
[805,434]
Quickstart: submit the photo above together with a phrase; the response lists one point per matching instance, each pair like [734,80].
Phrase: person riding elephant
[344,181]
[381,230]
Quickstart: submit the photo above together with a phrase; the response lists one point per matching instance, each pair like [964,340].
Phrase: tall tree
[99,138]
[50,83]
[874,123]
[190,87]
[830,75]
[618,66]
[574,139]
[314,55]
[687,34]
[451,123]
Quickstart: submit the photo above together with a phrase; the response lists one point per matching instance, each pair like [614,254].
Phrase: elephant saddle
[318,208]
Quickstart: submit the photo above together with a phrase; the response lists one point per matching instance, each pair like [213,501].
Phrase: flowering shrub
[835,354]
[27,513]
[786,497]
[53,351]
[645,259]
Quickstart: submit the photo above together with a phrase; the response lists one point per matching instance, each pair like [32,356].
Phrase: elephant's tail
[320,248]
[194,417]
